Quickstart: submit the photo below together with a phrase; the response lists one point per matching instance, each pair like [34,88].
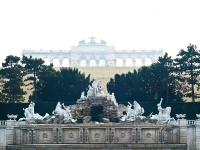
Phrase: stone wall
[179,134]
[137,135]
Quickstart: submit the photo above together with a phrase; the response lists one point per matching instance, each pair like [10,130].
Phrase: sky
[170,25]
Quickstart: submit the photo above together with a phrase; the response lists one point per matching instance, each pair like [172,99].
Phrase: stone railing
[43,51]
[3,123]
[138,51]
[191,122]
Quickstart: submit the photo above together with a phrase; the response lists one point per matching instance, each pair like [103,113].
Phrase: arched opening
[46,61]
[129,62]
[148,62]
[83,63]
[92,63]
[119,62]
[138,62]
[65,62]
[56,62]
[102,63]
[96,113]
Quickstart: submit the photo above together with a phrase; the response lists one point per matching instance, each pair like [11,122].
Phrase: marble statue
[82,98]
[66,112]
[95,90]
[112,98]
[103,42]
[30,115]
[164,113]
[132,114]
[112,111]
[90,92]
[82,42]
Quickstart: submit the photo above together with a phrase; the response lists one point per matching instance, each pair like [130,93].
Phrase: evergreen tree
[148,83]
[12,80]
[32,67]
[187,65]
[64,85]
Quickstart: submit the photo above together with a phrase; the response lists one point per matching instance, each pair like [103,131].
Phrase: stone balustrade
[3,123]
[182,134]
[191,122]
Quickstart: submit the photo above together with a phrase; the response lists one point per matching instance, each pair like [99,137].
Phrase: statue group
[96,97]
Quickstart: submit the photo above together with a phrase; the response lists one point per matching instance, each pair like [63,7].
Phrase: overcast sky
[126,24]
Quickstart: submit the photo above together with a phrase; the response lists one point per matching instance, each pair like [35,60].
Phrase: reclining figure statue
[30,114]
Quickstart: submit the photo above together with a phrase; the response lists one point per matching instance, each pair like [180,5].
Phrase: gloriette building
[95,54]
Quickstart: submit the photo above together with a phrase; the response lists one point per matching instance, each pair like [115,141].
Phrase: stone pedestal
[197,134]
[183,130]
[2,135]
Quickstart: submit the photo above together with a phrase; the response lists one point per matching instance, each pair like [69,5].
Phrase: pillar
[87,63]
[143,62]
[51,61]
[197,134]
[183,130]
[60,63]
[3,135]
[124,63]
[134,62]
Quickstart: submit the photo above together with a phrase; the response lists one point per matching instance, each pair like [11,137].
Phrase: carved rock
[86,119]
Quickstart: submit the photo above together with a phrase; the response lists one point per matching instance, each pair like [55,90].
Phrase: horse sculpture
[30,115]
[131,114]
[66,112]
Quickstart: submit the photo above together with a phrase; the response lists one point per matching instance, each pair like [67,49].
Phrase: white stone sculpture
[182,116]
[132,114]
[95,90]
[198,116]
[178,116]
[90,92]
[83,97]
[112,98]
[10,117]
[30,115]
[164,113]
[66,112]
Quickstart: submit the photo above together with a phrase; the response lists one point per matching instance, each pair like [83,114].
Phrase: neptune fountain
[112,111]
[96,121]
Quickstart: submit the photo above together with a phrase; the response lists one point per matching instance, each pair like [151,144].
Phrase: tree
[168,75]
[32,68]
[12,80]
[148,83]
[64,85]
[187,64]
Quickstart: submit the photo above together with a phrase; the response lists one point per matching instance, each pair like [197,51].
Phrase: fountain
[97,119]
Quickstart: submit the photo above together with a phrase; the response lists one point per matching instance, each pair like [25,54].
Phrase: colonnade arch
[138,62]
[129,62]
[65,62]
[119,62]
[92,62]
[148,61]
[46,61]
[56,62]
[83,63]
